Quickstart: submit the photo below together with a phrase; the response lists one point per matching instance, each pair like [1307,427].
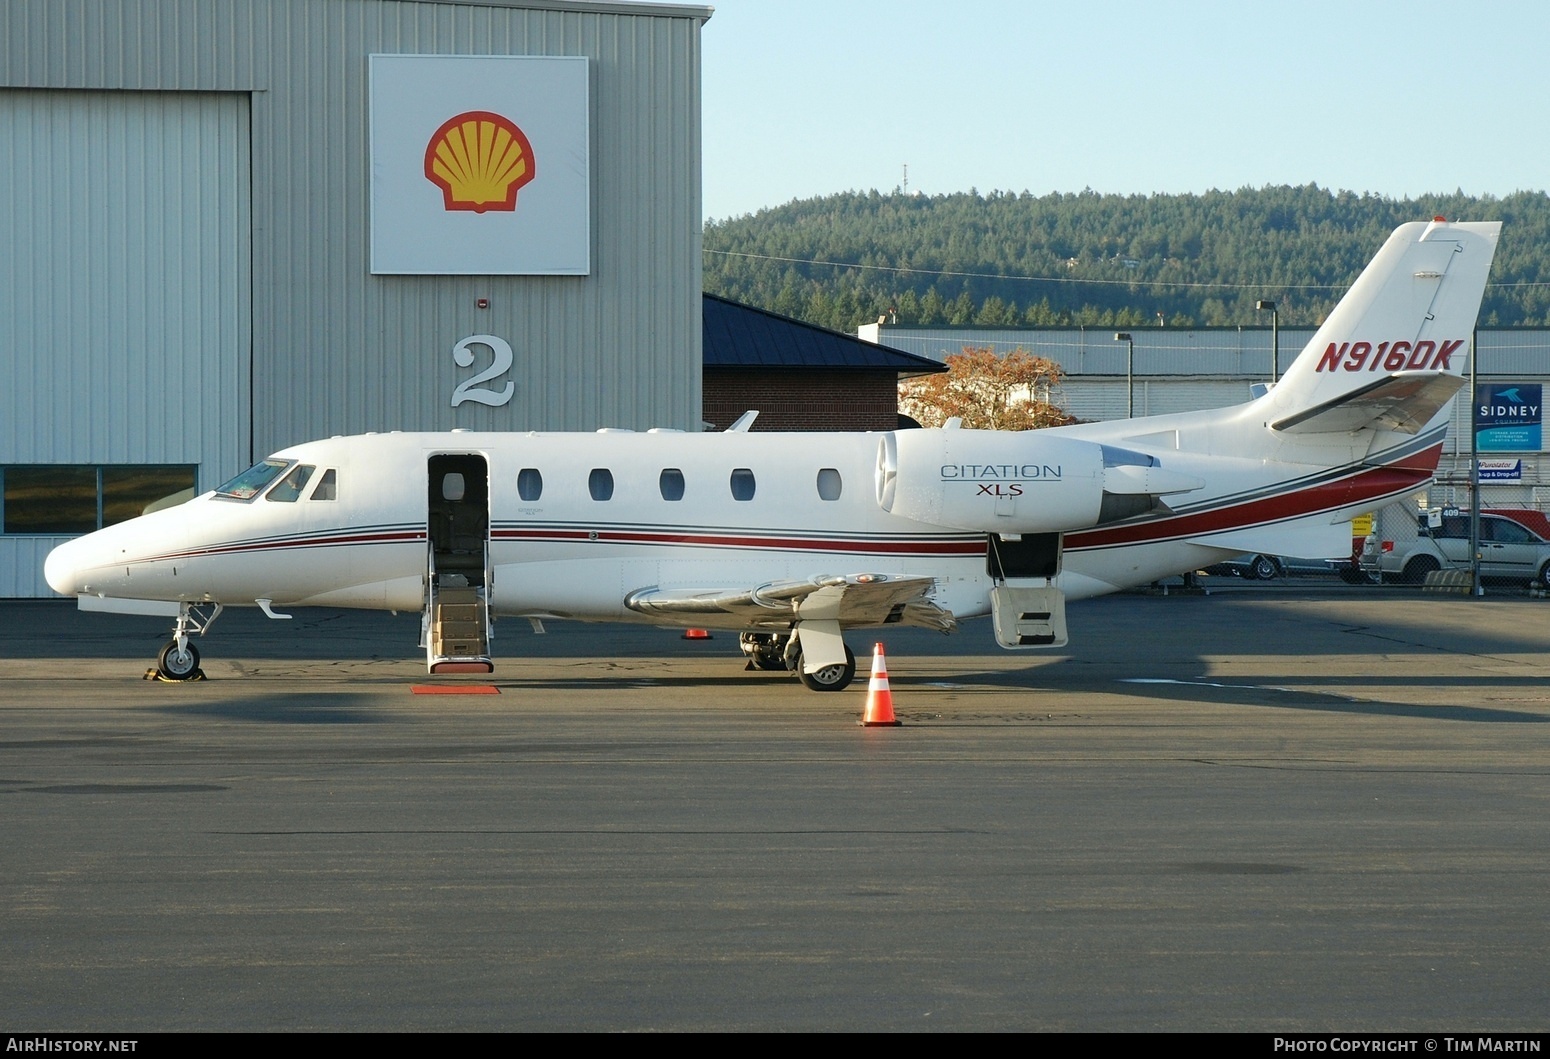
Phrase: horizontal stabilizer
[1405,402]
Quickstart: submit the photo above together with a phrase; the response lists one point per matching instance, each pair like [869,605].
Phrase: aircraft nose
[62,568]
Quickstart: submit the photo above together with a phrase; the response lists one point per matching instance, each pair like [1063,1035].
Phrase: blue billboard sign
[1509,417]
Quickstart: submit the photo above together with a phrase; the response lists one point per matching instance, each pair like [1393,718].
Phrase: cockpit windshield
[290,487]
[253,481]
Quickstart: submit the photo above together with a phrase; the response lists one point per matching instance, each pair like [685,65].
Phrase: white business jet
[792,539]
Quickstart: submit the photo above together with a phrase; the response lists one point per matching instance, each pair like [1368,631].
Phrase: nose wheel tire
[829,678]
[173,664]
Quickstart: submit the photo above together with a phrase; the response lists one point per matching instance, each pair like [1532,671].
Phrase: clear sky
[810,97]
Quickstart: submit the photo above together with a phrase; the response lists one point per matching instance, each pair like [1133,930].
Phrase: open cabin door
[455,628]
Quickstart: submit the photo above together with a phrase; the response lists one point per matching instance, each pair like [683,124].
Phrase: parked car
[1509,549]
[1263,567]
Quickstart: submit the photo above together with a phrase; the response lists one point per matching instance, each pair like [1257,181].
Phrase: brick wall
[818,399]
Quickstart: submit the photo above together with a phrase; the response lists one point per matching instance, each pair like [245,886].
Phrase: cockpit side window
[327,487]
[290,487]
[253,481]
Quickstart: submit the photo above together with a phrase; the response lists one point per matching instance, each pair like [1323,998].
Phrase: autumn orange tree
[1017,391]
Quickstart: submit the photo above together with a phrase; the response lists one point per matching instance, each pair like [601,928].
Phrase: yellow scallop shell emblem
[479,160]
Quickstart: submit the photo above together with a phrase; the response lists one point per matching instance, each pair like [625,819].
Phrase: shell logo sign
[456,142]
[480,160]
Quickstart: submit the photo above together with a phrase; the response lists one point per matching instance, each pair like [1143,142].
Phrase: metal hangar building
[227,226]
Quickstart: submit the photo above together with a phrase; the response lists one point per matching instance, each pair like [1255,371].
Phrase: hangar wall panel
[124,281]
[123,277]
[21,566]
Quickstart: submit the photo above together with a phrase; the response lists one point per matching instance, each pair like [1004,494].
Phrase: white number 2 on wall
[470,389]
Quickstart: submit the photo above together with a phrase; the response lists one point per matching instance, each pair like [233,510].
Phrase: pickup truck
[1509,549]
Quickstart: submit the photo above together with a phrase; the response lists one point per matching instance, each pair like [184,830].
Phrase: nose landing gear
[179,660]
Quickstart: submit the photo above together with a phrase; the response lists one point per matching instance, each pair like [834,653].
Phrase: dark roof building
[798,376]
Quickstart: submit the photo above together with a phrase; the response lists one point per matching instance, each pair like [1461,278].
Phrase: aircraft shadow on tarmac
[330,709]
[1266,695]
[1116,648]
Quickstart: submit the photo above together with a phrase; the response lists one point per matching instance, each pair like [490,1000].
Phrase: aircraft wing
[857,599]
[1404,401]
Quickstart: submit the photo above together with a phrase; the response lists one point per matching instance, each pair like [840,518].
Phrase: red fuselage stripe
[1359,488]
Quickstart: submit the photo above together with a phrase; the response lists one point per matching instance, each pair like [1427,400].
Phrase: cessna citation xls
[791,539]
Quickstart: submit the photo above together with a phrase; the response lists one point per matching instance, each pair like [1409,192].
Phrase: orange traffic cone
[879,699]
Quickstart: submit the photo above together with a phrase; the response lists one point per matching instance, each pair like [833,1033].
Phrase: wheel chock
[155,674]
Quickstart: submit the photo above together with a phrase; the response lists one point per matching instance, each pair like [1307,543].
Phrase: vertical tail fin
[1393,352]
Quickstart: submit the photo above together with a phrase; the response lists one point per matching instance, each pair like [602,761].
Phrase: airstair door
[456,623]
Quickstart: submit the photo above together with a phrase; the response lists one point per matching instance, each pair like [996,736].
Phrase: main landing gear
[179,660]
[775,651]
[835,677]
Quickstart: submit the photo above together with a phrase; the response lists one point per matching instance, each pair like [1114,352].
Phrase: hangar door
[125,326]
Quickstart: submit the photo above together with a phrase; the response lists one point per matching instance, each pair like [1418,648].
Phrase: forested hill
[1105,260]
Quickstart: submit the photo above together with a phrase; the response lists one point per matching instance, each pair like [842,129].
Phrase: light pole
[1275,339]
[1130,372]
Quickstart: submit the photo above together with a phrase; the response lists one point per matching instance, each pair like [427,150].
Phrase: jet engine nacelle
[1004,482]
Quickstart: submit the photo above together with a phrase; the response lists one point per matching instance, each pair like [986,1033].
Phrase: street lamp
[1130,372]
[1275,339]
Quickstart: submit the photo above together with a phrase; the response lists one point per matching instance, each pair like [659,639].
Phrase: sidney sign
[1509,417]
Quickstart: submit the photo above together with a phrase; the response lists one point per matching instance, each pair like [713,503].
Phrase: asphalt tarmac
[1280,809]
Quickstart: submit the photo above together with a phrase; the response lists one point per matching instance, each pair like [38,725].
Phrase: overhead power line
[896,270]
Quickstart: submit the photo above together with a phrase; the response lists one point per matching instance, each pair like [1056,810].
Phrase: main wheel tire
[829,678]
[1359,576]
[178,665]
[1416,569]
[768,662]
[1264,567]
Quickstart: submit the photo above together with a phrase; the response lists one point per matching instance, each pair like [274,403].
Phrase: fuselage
[577,522]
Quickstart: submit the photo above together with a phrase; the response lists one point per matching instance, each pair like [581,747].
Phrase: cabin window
[55,499]
[742,484]
[829,483]
[600,483]
[290,487]
[671,483]
[327,488]
[530,484]
[252,481]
